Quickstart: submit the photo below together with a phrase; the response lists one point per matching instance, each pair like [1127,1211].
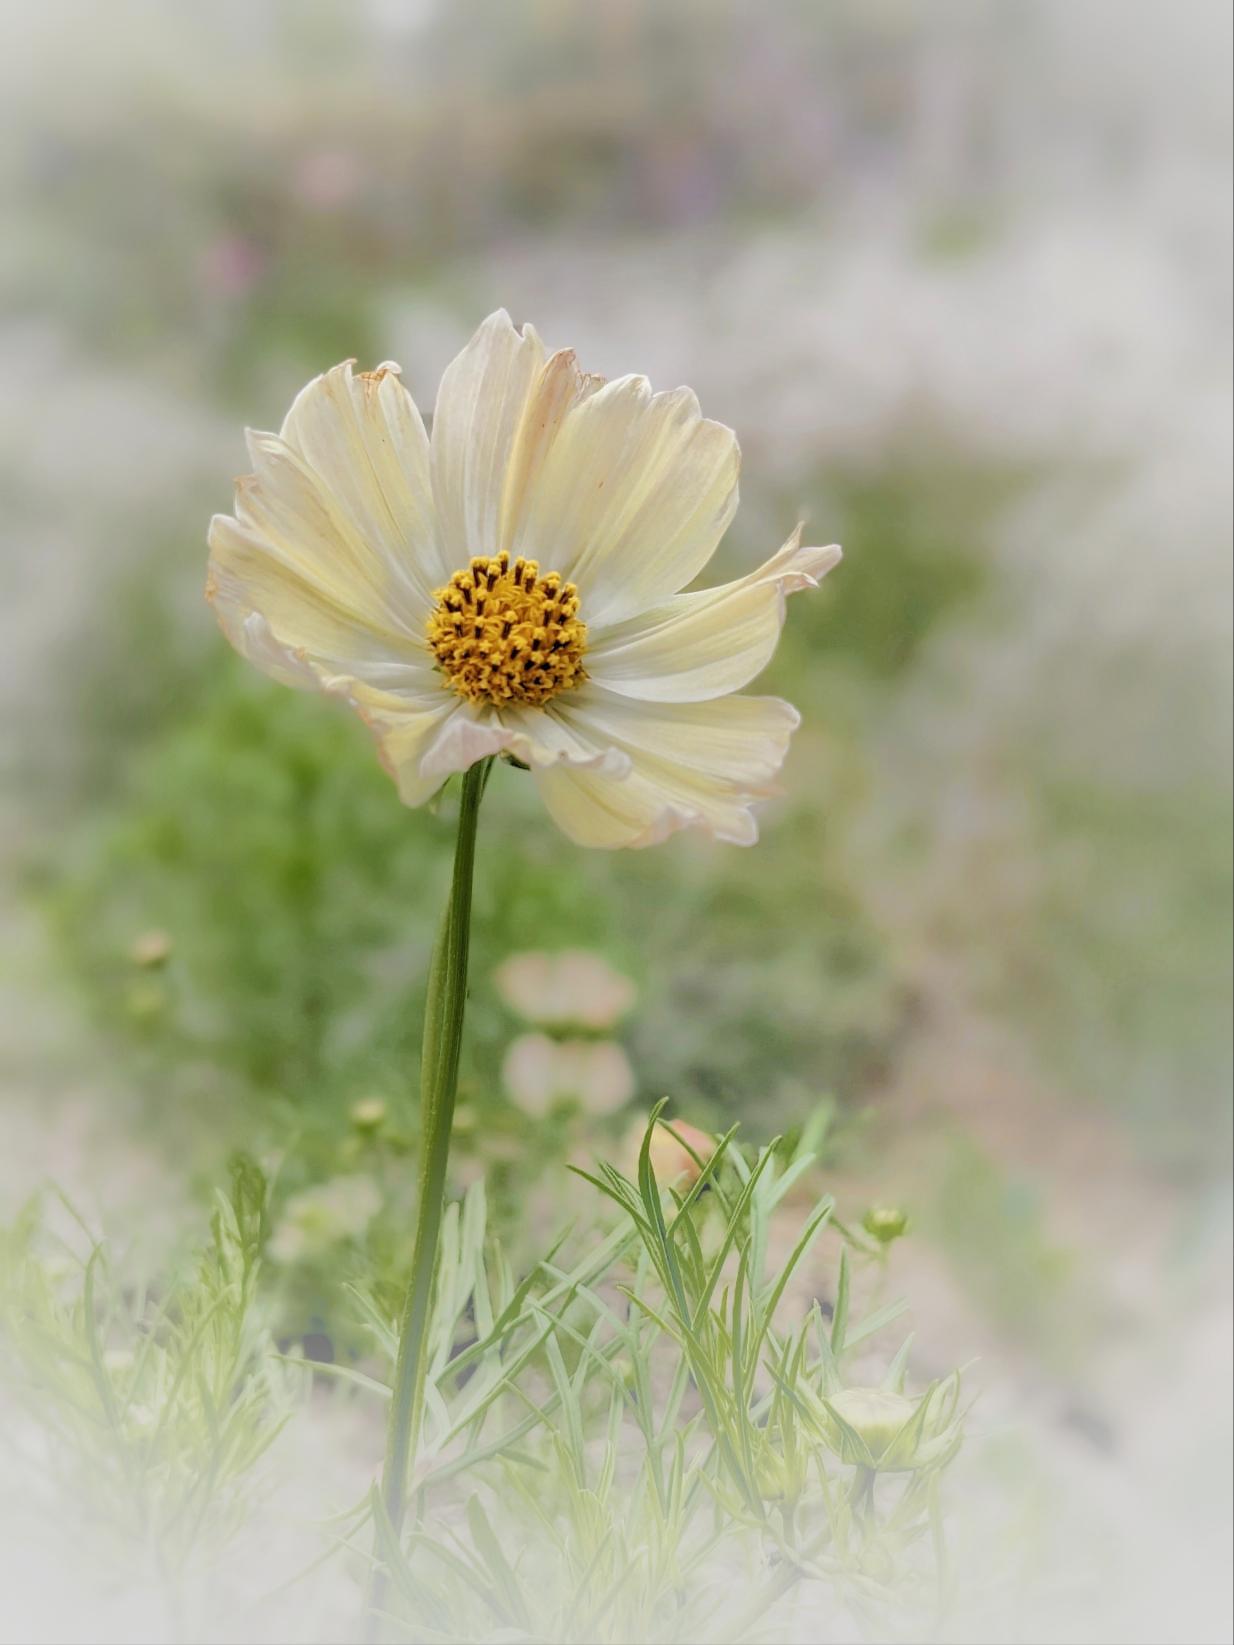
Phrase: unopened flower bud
[876,1428]
[885,1223]
[151,950]
[875,1415]
[776,1479]
[368,1114]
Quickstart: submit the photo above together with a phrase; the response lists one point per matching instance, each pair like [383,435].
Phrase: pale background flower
[539,1072]
[568,986]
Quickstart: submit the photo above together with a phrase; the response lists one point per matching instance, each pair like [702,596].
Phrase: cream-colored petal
[610,814]
[559,386]
[288,504]
[735,741]
[632,498]
[363,437]
[251,635]
[481,405]
[706,644]
[405,727]
[472,732]
[541,737]
[300,626]
[692,765]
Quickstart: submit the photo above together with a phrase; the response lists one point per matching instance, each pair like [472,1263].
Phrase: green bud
[876,1428]
[885,1223]
[368,1114]
[875,1416]
[775,1479]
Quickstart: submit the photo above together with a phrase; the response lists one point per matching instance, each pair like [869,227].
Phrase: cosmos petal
[425,737]
[310,625]
[404,728]
[632,498]
[481,404]
[695,764]
[364,439]
[706,644]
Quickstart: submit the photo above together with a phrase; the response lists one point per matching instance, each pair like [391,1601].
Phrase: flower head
[513,586]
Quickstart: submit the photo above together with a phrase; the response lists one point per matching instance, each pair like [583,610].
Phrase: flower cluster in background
[573,999]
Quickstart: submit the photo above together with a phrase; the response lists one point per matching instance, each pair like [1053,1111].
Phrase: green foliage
[1124,973]
[916,553]
[259,832]
[993,1228]
[617,1445]
[262,836]
[159,1400]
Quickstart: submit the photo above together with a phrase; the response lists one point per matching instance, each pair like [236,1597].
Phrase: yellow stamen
[501,633]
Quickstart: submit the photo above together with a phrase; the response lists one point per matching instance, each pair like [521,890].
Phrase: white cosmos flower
[513,586]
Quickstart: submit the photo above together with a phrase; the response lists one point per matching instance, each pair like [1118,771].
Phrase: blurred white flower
[405,575]
[539,1073]
[319,1217]
[573,986]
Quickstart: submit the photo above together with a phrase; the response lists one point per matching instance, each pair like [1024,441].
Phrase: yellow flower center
[501,633]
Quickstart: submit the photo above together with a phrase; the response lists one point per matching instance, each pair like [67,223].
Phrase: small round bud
[151,950]
[875,1416]
[878,1429]
[368,1114]
[775,1479]
[885,1223]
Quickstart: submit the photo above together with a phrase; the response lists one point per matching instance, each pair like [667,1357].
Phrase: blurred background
[959,276]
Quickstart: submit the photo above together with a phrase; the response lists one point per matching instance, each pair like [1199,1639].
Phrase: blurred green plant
[916,553]
[263,838]
[661,1436]
[1124,973]
[992,1226]
[617,1448]
[159,1399]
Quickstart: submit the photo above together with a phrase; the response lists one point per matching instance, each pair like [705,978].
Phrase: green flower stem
[439,1058]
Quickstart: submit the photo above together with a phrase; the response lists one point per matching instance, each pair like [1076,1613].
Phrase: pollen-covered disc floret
[501,633]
